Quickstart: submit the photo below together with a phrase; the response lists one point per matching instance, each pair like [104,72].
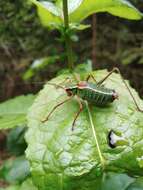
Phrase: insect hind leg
[115,69]
[78,113]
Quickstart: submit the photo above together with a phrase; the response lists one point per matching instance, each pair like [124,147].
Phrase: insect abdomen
[98,95]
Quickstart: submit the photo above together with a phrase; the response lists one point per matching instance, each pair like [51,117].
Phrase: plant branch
[94,20]
[68,42]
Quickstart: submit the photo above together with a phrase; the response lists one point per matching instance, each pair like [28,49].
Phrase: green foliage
[137,185]
[15,171]
[12,187]
[13,112]
[121,8]
[51,14]
[26,185]
[110,181]
[20,30]
[64,159]
[38,65]
[15,141]
[132,55]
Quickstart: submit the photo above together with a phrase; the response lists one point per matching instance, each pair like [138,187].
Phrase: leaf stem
[95,137]
[68,42]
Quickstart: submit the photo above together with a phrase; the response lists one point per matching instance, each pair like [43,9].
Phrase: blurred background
[24,43]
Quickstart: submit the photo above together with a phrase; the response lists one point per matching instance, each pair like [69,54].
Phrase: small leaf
[48,13]
[39,65]
[13,112]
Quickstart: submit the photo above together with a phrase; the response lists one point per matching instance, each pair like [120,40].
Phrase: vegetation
[57,157]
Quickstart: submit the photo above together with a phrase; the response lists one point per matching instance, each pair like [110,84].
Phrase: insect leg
[77,77]
[77,114]
[67,79]
[91,76]
[115,69]
[54,108]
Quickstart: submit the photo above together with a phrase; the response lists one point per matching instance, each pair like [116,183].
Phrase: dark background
[111,41]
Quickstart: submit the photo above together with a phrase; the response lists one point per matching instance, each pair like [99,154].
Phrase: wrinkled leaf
[28,185]
[13,112]
[64,159]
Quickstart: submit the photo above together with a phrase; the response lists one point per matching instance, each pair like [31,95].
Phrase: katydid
[94,93]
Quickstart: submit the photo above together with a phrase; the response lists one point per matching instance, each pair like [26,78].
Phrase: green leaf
[52,14]
[137,185]
[13,112]
[15,141]
[26,185]
[64,159]
[11,187]
[48,13]
[38,65]
[121,8]
[15,171]
[115,181]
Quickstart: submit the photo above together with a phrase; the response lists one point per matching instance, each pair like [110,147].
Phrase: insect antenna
[56,85]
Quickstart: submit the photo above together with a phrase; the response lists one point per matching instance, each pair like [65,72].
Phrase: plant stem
[68,42]
[94,24]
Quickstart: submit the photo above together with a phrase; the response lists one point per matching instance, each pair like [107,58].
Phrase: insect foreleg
[66,80]
[115,69]
[91,76]
[77,114]
[56,85]
[54,108]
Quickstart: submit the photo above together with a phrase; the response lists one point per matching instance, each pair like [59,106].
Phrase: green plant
[67,17]
[69,160]
[13,112]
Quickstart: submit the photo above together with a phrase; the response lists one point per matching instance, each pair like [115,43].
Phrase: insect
[95,93]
